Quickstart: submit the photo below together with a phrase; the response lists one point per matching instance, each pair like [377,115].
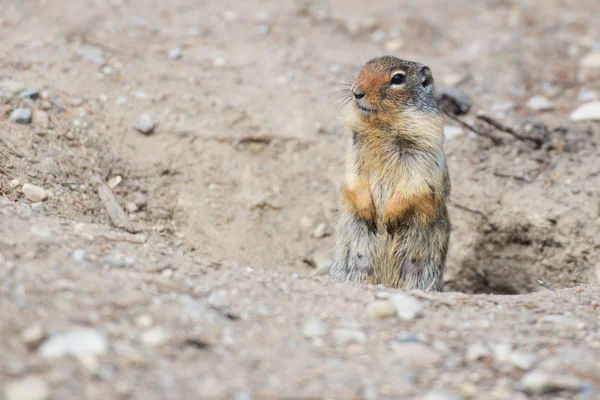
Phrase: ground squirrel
[394,227]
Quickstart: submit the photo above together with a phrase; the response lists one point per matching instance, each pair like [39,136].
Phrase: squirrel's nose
[357,93]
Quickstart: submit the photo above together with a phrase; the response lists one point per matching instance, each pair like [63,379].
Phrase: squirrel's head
[387,88]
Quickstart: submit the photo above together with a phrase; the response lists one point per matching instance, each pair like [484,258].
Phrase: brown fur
[394,229]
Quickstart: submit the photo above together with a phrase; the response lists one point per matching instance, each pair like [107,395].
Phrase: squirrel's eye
[398,79]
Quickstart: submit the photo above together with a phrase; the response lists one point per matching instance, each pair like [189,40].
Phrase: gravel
[21,116]
[145,124]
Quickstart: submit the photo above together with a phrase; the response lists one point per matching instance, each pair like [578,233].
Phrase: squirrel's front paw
[395,210]
[358,199]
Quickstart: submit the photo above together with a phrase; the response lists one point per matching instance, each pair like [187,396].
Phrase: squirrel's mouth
[364,109]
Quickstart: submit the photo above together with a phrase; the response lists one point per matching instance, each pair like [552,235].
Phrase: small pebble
[41,119]
[79,255]
[21,116]
[586,112]
[394,45]
[539,103]
[92,54]
[80,342]
[522,360]
[33,336]
[416,354]
[263,29]
[477,351]
[407,307]
[175,53]
[15,183]
[11,87]
[34,193]
[28,388]
[320,231]
[121,101]
[378,36]
[586,95]
[118,260]
[107,70]
[591,60]
[216,300]
[451,131]
[114,181]
[380,309]
[346,336]
[144,321]
[540,382]
[156,337]
[145,124]
[131,207]
[314,327]
[29,93]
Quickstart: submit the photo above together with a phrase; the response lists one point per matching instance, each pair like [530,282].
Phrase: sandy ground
[215,288]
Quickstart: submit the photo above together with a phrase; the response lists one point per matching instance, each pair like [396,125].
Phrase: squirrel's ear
[426,77]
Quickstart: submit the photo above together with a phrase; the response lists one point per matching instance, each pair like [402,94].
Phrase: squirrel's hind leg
[353,259]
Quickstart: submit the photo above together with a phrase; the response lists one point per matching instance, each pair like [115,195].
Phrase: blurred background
[217,128]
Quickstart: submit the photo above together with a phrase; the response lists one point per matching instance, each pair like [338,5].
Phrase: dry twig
[500,126]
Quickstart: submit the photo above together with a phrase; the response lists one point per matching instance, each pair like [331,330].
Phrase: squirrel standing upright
[394,227]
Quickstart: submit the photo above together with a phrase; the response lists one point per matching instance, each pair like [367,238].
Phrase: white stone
[477,351]
[380,309]
[586,112]
[175,53]
[416,354]
[156,337]
[12,87]
[145,124]
[407,307]
[314,327]
[34,193]
[522,360]
[539,103]
[540,382]
[114,181]
[451,131]
[591,60]
[80,343]
[320,231]
[15,183]
[586,95]
[28,388]
[345,336]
